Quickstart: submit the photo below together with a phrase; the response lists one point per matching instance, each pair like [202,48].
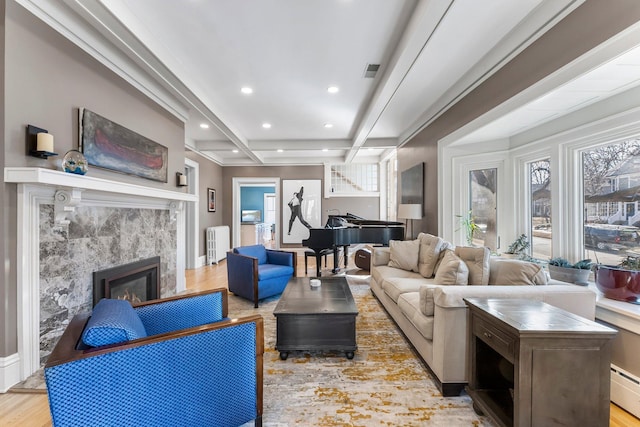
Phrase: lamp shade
[410,211]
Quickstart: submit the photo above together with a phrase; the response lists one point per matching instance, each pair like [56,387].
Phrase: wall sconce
[410,212]
[39,142]
[181,179]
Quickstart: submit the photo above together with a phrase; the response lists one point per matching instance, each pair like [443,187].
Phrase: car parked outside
[611,237]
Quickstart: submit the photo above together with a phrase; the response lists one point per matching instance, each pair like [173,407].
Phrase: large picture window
[611,177]
[483,185]
[540,212]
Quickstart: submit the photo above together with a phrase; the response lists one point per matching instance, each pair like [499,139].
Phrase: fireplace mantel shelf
[30,175]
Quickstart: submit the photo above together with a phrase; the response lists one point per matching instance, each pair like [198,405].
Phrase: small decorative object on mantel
[39,142]
[74,162]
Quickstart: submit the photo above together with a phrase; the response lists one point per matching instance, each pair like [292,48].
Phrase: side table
[533,364]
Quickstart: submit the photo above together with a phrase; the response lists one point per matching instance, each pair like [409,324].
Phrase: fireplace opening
[136,282]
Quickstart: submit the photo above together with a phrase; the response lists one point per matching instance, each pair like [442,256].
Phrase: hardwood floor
[32,409]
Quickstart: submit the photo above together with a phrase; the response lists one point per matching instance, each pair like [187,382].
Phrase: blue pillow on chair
[112,321]
[255,251]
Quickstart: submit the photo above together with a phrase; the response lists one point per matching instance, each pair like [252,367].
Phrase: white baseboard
[201,261]
[9,372]
[625,390]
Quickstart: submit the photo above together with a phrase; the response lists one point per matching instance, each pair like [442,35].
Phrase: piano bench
[310,253]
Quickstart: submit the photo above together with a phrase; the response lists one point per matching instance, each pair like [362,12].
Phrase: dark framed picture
[211,200]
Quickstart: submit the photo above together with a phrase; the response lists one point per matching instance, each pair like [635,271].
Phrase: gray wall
[367,207]
[210,176]
[46,80]
[589,25]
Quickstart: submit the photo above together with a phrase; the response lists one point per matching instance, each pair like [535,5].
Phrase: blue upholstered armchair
[170,362]
[255,272]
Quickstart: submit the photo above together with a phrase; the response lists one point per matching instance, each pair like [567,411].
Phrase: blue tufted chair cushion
[112,321]
[255,251]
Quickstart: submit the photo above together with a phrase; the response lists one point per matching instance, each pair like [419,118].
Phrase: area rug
[385,384]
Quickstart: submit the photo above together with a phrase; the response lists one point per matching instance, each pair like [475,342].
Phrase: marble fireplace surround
[65,193]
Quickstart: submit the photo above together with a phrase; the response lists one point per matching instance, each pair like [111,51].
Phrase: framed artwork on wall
[108,145]
[301,208]
[412,185]
[211,200]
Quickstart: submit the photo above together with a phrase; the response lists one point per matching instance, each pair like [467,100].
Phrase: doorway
[191,223]
[236,217]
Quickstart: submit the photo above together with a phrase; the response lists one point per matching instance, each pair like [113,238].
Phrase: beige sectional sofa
[422,284]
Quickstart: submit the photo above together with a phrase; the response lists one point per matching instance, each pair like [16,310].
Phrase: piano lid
[351,220]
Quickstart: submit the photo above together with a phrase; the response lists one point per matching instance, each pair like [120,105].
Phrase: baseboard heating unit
[625,390]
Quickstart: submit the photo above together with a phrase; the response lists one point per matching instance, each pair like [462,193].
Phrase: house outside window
[611,176]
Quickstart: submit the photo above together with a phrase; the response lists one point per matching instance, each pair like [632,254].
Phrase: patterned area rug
[384,384]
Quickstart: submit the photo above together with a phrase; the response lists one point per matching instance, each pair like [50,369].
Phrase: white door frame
[192,236]
[237,184]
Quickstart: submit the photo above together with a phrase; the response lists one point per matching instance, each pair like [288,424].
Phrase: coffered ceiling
[195,56]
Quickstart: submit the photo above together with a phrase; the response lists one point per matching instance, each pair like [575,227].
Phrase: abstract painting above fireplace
[136,282]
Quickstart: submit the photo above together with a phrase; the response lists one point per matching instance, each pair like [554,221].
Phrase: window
[612,217]
[483,185]
[354,178]
[540,209]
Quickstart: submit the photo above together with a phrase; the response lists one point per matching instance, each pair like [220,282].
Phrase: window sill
[618,313]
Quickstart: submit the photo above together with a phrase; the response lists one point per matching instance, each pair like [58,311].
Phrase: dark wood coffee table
[322,318]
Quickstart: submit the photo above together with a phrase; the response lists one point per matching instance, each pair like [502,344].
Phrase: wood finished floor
[32,409]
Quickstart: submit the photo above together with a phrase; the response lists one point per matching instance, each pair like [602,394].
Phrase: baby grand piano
[349,229]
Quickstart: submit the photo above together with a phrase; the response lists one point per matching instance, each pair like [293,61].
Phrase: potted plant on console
[621,282]
[578,273]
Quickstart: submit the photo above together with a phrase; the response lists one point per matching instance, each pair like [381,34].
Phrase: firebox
[136,282]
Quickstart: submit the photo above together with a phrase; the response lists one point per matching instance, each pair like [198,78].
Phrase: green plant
[468,224]
[630,263]
[584,264]
[519,245]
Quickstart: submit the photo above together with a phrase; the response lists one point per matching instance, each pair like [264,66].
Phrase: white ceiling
[202,52]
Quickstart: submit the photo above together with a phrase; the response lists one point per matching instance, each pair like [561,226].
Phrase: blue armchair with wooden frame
[255,273]
[173,361]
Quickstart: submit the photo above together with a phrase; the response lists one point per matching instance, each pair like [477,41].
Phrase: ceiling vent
[371,70]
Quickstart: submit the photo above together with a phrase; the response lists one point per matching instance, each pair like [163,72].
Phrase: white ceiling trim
[71,26]
[424,21]
[522,36]
[609,49]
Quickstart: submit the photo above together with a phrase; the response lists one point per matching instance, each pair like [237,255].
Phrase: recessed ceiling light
[325,149]
[234,151]
[333,89]
[328,125]
[280,150]
[266,125]
[246,90]
[204,126]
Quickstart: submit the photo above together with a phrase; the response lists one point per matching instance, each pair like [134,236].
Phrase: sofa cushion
[477,259]
[380,256]
[112,321]
[427,305]
[404,254]
[515,272]
[385,272]
[430,247]
[409,304]
[269,271]
[452,270]
[445,245]
[255,251]
[395,287]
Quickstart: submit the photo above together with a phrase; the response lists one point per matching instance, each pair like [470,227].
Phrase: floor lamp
[410,212]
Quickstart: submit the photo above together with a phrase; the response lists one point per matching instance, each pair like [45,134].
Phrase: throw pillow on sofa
[452,270]
[477,259]
[404,254]
[430,247]
[427,304]
[515,272]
